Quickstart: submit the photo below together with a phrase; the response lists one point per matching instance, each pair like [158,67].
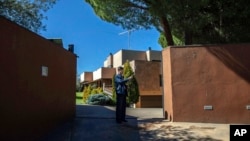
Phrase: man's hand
[130,77]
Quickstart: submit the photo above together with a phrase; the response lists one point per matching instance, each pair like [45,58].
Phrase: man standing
[121,93]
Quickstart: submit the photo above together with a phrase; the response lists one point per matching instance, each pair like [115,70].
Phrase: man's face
[120,71]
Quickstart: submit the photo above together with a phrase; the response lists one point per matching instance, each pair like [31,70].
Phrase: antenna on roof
[129,32]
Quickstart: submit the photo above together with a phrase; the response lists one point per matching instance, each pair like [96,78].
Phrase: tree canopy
[134,14]
[189,22]
[27,13]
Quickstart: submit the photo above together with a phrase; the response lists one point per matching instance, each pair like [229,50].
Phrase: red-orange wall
[147,74]
[216,75]
[31,104]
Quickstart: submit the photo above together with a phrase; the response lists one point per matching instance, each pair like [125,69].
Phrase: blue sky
[76,23]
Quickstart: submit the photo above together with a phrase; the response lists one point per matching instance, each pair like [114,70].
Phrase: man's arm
[119,80]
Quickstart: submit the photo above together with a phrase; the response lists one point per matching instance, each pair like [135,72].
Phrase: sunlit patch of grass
[79,100]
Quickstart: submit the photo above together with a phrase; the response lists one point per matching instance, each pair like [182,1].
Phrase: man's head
[120,70]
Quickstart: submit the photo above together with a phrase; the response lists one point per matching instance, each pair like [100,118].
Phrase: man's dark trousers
[120,107]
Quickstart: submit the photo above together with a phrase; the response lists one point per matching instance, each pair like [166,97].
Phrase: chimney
[71,48]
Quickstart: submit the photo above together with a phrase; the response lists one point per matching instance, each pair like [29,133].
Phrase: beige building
[147,68]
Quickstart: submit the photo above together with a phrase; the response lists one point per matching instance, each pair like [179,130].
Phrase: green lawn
[79,100]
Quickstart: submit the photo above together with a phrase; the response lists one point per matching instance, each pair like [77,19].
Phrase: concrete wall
[32,104]
[198,76]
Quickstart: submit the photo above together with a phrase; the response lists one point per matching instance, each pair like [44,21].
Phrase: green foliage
[230,21]
[133,91]
[99,90]
[134,14]
[163,42]
[99,99]
[188,22]
[78,84]
[128,14]
[27,13]
[79,96]
[113,89]
[91,90]
[127,71]
[86,93]
[132,85]
[96,90]
[207,21]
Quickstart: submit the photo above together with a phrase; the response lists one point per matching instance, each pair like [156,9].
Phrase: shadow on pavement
[95,123]
[158,131]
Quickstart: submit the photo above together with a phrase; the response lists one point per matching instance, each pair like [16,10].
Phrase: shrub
[99,99]
[113,89]
[91,90]
[94,91]
[133,87]
[86,93]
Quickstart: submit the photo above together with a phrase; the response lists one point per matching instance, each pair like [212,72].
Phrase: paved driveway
[97,123]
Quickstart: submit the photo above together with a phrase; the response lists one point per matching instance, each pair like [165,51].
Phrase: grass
[79,100]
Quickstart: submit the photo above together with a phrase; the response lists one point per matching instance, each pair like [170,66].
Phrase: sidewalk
[95,123]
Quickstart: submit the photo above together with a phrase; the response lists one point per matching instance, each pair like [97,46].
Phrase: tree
[207,21]
[96,90]
[196,21]
[163,42]
[27,13]
[135,14]
[86,93]
[113,89]
[127,70]
[78,83]
[133,89]
[228,21]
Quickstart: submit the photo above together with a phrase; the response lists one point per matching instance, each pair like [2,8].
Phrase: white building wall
[117,59]
[148,55]
[153,55]
[122,56]
[82,77]
[97,74]
[133,55]
[105,64]
[132,64]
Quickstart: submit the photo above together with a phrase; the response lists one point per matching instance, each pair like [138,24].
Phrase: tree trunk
[188,37]
[167,31]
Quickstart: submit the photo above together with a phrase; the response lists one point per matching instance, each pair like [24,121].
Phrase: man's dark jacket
[120,84]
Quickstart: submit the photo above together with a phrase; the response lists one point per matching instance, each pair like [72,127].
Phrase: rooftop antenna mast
[129,32]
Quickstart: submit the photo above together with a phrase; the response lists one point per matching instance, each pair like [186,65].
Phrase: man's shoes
[124,120]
